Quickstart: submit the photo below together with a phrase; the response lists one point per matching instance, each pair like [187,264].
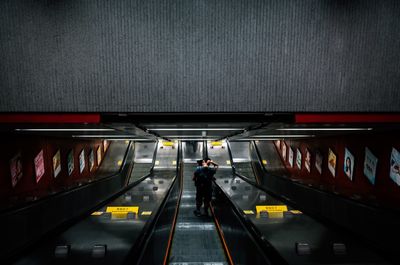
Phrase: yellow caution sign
[216,143]
[248,211]
[271,208]
[274,211]
[296,212]
[167,143]
[275,215]
[119,163]
[157,163]
[228,162]
[113,209]
[264,162]
[121,212]
[174,162]
[97,213]
[146,213]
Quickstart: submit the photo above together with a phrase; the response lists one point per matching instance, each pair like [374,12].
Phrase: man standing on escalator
[203,177]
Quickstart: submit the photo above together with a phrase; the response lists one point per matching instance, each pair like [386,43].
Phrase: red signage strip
[347,118]
[50,118]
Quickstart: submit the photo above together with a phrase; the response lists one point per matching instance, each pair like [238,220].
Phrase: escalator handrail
[253,231]
[141,244]
[16,209]
[154,156]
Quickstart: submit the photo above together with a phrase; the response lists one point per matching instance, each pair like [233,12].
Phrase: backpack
[201,179]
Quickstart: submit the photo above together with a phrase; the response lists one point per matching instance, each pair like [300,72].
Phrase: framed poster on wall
[105,145]
[16,169]
[99,155]
[39,166]
[298,158]
[82,161]
[395,166]
[307,161]
[278,144]
[348,166]
[318,161]
[91,159]
[70,162]
[370,163]
[57,163]
[290,156]
[283,151]
[332,162]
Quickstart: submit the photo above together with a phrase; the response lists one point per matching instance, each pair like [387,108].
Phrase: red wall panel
[29,147]
[385,192]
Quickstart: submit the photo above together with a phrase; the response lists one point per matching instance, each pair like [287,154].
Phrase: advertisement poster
[291,156]
[16,169]
[395,166]
[105,145]
[318,162]
[82,161]
[57,163]
[370,164]
[307,161]
[278,144]
[39,166]
[70,162]
[348,164]
[298,158]
[332,162]
[283,151]
[99,155]
[91,160]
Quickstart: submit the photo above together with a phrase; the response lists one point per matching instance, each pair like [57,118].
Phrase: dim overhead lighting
[324,129]
[196,139]
[64,130]
[283,136]
[255,139]
[196,129]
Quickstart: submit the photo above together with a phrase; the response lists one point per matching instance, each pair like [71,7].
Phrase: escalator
[114,231]
[292,235]
[195,238]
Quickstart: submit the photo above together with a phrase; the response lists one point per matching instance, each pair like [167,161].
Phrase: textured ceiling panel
[200,56]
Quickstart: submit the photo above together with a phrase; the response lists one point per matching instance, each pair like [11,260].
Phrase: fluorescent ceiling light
[196,129]
[324,129]
[103,136]
[129,139]
[187,136]
[255,139]
[196,139]
[283,136]
[64,130]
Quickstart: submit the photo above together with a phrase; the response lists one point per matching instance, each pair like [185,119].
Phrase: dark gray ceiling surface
[200,55]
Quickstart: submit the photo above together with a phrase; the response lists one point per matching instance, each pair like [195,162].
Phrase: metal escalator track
[195,239]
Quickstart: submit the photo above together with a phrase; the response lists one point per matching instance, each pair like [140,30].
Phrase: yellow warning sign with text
[271,208]
[167,143]
[216,143]
[123,209]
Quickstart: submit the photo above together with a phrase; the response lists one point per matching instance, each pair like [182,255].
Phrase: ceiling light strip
[324,129]
[196,129]
[63,130]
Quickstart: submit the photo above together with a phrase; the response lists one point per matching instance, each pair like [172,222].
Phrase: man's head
[207,160]
[200,162]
